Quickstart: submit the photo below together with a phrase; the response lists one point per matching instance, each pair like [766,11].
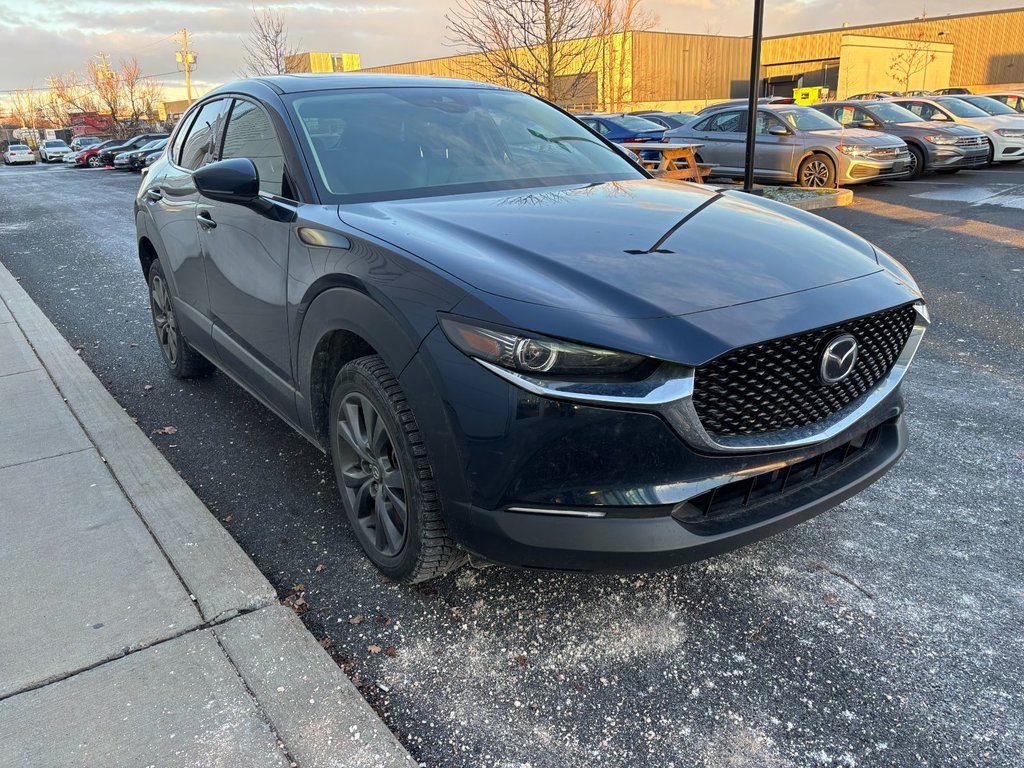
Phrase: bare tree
[709,62]
[122,94]
[267,49]
[914,58]
[536,46]
[617,21]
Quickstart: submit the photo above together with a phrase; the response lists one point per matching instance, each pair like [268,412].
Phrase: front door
[246,254]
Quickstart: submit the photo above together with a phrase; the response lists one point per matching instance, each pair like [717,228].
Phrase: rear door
[722,135]
[171,200]
[246,256]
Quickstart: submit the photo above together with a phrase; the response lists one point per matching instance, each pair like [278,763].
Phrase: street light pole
[755,86]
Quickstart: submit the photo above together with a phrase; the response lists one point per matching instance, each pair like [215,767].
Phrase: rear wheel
[817,172]
[385,477]
[182,360]
[916,162]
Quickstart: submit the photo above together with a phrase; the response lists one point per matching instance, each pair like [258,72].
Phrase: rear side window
[179,137]
[251,134]
[204,135]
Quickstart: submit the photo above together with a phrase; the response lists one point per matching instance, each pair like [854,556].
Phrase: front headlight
[1011,133]
[856,150]
[940,139]
[537,355]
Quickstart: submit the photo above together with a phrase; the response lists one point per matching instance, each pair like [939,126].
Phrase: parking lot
[886,632]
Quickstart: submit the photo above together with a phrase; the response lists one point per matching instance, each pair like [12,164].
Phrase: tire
[948,171]
[93,161]
[384,475]
[917,163]
[182,360]
[817,172]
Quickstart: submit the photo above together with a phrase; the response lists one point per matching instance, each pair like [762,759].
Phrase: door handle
[206,220]
[154,194]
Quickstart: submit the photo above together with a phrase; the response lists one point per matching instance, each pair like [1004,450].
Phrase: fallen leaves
[356,620]
[168,430]
[320,568]
[147,387]
[297,600]
[374,649]
[230,518]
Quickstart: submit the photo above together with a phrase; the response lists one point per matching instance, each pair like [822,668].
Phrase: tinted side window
[250,134]
[203,136]
[727,122]
[179,137]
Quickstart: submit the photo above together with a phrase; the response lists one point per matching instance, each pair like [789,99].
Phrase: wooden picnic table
[667,166]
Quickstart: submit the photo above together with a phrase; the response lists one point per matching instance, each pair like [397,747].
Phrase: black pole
[755,87]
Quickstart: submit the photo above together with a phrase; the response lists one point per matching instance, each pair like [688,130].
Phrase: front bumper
[858,170]
[945,156]
[544,481]
[630,539]
[1007,149]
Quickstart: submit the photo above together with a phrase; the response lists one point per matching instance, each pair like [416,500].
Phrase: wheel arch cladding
[342,324]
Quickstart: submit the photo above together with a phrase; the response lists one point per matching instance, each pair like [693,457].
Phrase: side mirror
[778,130]
[229,181]
[867,124]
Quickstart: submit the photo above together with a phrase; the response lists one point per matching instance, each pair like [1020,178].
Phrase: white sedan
[1005,131]
[53,151]
[19,153]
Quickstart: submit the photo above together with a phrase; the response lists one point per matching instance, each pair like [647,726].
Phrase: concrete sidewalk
[134,630]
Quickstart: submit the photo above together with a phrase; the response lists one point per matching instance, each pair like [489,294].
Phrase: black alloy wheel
[384,475]
[182,360]
[917,163]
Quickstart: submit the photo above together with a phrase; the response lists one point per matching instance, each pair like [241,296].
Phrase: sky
[43,37]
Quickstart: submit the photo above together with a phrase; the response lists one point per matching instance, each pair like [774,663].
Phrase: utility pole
[187,59]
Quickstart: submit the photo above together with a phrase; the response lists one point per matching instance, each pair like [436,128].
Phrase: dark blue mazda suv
[512,341]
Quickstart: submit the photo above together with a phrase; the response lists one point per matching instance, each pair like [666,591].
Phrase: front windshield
[634,123]
[991,106]
[961,108]
[390,143]
[894,113]
[807,119]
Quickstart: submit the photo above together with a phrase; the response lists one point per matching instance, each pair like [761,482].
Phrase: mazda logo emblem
[838,359]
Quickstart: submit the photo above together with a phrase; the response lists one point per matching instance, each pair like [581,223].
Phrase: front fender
[347,309]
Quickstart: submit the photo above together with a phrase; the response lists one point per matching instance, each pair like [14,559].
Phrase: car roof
[298,83]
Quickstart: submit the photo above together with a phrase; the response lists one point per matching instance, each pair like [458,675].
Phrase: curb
[832,199]
[318,705]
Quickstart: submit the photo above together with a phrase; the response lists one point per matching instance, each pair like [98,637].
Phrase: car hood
[992,122]
[636,249]
[860,135]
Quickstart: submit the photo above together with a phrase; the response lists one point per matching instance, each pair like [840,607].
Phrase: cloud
[44,37]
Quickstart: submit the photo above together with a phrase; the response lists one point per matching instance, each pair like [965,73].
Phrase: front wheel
[817,172]
[93,162]
[385,476]
[916,163]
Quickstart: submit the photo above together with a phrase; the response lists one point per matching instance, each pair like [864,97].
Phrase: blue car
[509,339]
[622,128]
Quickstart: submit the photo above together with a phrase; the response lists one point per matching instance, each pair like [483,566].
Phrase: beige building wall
[319,61]
[988,48]
[878,63]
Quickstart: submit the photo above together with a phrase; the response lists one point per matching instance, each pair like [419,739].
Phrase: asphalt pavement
[886,632]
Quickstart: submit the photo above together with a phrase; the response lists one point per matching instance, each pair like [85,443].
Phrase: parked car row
[125,154]
[838,143]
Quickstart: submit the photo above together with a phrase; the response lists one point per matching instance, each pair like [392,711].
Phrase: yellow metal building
[664,70]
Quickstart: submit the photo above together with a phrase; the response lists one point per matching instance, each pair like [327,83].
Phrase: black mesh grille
[774,386]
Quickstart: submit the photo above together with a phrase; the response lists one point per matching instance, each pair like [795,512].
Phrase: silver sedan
[795,144]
